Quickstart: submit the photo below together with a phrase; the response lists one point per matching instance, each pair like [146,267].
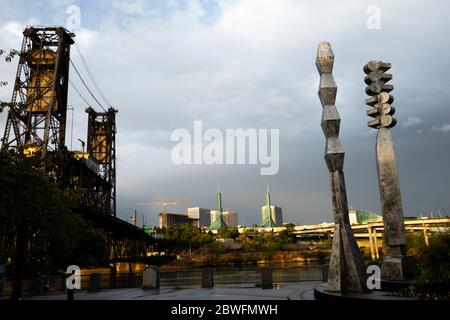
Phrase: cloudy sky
[250,64]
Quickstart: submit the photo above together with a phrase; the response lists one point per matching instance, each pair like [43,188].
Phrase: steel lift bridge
[36,126]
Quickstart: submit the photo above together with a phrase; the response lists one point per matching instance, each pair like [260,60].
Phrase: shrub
[434,264]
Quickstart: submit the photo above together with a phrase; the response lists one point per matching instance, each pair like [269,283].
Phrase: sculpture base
[321,293]
[398,268]
[396,285]
[346,271]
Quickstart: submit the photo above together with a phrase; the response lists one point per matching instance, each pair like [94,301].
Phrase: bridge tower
[101,147]
[37,113]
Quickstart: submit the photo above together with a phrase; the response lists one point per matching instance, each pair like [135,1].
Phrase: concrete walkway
[288,291]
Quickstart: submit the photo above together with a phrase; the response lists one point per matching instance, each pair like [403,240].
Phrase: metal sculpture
[346,273]
[396,266]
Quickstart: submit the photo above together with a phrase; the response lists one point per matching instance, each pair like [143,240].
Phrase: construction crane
[185,203]
[164,203]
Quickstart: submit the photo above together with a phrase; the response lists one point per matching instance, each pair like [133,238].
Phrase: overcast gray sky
[250,64]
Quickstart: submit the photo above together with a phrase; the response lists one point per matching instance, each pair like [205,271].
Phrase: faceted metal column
[395,265]
[346,272]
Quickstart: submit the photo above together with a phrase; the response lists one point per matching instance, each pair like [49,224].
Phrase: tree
[39,231]
[9,56]
[287,236]
[229,233]
[434,264]
[185,237]
[244,238]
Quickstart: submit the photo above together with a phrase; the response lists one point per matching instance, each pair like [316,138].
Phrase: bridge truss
[36,127]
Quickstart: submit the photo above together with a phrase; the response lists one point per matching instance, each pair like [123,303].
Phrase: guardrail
[263,277]
[43,284]
[241,277]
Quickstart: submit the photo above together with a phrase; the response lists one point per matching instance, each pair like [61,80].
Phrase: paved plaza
[289,291]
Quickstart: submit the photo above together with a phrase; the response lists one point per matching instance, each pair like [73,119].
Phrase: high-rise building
[217,221]
[276,215]
[231,218]
[203,216]
[173,219]
[272,215]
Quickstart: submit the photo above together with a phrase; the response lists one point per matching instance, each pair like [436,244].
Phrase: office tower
[202,215]
[231,218]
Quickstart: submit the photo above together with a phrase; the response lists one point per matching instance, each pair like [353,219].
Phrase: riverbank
[249,259]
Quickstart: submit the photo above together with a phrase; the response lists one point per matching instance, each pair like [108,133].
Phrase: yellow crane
[185,203]
[165,202]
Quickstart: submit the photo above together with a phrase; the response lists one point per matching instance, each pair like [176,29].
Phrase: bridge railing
[57,283]
[243,277]
[253,277]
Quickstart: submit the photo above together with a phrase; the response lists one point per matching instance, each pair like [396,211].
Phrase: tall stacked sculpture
[396,266]
[346,273]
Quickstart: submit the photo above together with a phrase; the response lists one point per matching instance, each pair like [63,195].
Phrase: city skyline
[260,75]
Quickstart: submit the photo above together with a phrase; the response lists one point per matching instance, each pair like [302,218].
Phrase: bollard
[95,282]
[325,270]
[37,284]
[46,285]
[112,281]
[70,294]
[132,280]
[266,278]
[207,278]
[150,278]
[2,278]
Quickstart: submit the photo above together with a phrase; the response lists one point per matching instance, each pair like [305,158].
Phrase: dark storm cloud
[250,64]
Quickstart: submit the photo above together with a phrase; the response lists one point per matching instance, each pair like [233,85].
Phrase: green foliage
[9,56]
[416,243]
[287,236]
[376,262]
[326,244]
[268,241]
[185,237]
[33,207]
[434,263]
[246,239]
[229,233]
[433,266]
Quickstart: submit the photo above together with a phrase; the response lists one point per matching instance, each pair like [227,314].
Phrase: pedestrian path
[291,291]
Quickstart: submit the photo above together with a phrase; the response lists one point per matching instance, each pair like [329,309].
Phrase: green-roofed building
[363,216]
[271,215]
[267,220]
[217,216]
